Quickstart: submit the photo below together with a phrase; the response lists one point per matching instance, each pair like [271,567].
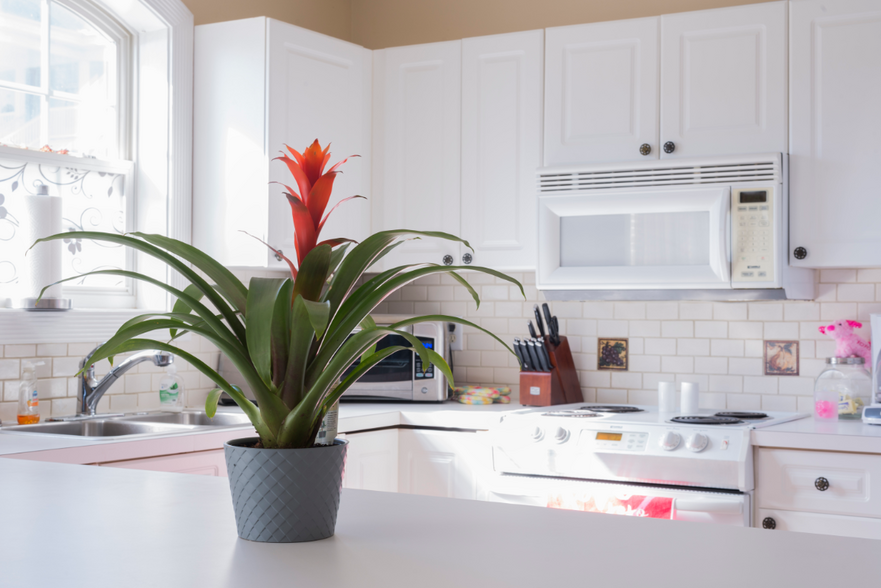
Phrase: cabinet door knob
[769,523]
[645,149]
[821,484]
[467,259]
[278,254]
[800,253]
[448,259]
[669,147]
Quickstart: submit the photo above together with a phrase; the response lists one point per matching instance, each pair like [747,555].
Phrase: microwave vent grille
[572,180]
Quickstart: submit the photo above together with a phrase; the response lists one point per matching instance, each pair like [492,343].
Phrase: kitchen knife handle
[538,321]
[543,356]
[518,350]
[549,320]
[531,329]
[533,355]
[556,331]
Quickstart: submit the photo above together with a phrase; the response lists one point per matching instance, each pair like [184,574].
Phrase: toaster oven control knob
[670,441]
[669,147]
[537,434]
[561,435]
[697,442]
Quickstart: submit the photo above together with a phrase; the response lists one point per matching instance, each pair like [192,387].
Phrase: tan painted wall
[331,17]
[390,23]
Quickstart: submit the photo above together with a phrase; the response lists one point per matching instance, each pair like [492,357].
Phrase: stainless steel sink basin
[102,428]
[221,419]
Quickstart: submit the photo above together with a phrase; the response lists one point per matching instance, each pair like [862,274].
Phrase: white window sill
[69,326]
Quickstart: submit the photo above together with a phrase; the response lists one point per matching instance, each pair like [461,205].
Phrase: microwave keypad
[752,233]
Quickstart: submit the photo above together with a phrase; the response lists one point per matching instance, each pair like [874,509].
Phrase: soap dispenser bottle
[171,389]
[28,403]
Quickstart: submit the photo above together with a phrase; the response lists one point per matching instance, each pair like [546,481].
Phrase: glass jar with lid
[842,389]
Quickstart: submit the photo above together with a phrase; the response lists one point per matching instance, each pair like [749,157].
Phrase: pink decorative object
[849,343]
[825,409]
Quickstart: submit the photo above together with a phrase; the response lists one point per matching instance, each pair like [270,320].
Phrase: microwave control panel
[752,234]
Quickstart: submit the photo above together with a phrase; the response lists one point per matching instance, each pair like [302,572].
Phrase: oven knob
[670,441]
[537,434]
[697,442]
[561,435]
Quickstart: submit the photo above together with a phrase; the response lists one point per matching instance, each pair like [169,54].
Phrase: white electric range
[627,459]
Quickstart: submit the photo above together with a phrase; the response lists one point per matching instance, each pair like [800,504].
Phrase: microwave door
[651,238]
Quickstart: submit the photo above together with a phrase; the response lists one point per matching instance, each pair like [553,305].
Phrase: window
[64,69]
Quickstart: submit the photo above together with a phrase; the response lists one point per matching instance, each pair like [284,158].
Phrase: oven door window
[397,367]
[651,238]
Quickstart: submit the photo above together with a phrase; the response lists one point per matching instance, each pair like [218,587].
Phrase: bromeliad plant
[293,339]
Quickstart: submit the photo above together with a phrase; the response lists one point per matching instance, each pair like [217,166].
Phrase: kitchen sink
[221,419]
[102,428]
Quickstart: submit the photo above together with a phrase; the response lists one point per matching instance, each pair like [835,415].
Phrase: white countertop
[353,417]
[818,435]
[137,528]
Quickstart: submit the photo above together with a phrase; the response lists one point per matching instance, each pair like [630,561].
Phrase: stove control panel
[620,440]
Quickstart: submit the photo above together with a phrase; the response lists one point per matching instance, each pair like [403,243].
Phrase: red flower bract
[309,201]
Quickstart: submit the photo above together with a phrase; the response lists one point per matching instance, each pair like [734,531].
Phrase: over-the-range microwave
[398,377]
[700,229]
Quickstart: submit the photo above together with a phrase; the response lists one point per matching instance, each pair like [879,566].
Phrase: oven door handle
[720,506]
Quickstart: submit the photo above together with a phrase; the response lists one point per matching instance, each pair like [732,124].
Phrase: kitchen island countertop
[143,528]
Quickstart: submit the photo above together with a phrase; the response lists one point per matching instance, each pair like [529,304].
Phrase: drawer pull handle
[769,523]
[821,484]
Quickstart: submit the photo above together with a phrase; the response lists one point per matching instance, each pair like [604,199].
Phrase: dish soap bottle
[171,390]
[28,403]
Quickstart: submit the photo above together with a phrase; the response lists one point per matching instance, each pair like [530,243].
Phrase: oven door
[678,504]
[632,239]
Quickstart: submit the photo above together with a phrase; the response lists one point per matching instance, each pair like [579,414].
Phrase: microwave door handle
[725,237]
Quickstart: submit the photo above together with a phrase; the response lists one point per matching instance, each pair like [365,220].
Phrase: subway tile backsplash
[716,344]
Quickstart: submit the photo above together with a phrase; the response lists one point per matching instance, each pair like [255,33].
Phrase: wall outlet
[457,337]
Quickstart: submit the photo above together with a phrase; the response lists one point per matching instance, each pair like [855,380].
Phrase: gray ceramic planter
[285,495]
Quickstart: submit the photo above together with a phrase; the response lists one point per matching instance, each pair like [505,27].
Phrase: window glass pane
[81,61]
[82,128]
[20,115]
[20,42]
[647,239]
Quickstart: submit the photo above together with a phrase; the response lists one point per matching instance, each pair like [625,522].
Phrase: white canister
[667,397]
[690,401]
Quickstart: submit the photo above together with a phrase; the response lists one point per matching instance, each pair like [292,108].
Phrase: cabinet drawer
[791,480]
[823,524]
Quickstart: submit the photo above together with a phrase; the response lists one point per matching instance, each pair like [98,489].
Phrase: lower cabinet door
[372,461]
[200,463]
[823,524]
[451,464]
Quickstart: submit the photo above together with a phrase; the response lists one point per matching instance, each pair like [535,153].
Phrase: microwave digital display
[753,197]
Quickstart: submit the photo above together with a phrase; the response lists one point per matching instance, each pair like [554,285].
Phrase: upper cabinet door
[501,147]
[835,69]
[723,81]
[417,118]
[319,88]
[601,92]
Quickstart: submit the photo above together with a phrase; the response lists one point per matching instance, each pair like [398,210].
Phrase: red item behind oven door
[610,502]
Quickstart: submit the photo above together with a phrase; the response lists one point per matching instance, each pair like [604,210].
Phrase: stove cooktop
[614,408]
[705,420]
[747,416]
[577,414]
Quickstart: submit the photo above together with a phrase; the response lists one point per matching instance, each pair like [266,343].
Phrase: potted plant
[292,339]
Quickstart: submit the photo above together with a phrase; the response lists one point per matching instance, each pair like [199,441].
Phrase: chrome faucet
[91,390]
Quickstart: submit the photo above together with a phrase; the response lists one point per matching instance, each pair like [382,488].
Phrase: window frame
[162,38]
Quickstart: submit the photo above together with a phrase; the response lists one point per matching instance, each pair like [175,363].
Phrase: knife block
[558,386]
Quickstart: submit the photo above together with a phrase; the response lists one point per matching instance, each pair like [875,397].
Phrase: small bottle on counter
[842,389]
[171,390]
[28,402]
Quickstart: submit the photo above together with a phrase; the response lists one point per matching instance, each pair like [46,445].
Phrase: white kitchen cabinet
[723,81]
[260,84]
[818,492]
[372,460]
[202,463]
[721,89]
[501,147]
[835,125]
[417,147]
[601,92]
[451,464]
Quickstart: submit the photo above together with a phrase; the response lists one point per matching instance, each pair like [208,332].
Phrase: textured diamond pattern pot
[285,495]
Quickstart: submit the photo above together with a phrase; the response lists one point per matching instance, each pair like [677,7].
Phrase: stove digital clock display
[609,436]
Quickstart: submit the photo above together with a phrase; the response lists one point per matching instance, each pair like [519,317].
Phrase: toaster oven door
[390,378]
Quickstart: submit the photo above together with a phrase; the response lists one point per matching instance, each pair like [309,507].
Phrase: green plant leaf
[319,315]
[440,363]
[262,296]
[211,402]
[281,334]
[449,319]
[181,307]
[359,371]
[313,273]
[368,323]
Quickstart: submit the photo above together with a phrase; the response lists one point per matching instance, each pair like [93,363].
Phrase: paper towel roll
[42,265]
